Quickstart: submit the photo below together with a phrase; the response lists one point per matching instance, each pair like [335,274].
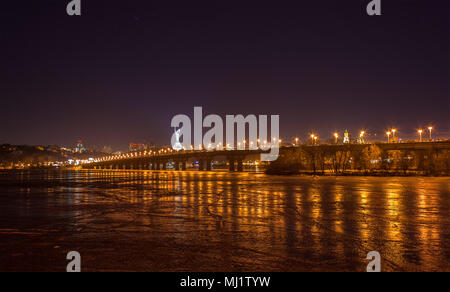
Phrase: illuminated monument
[346,137]
[177,145]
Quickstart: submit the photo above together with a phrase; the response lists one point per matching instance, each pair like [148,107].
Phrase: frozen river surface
[219,221]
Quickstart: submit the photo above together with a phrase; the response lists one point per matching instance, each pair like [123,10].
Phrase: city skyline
[421,134]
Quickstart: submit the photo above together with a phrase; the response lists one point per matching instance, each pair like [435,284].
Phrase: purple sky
[120,72]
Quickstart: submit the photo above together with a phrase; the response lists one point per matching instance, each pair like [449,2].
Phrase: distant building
[137,147]
[152,147]
[53,148]
[107,150]
[80,147]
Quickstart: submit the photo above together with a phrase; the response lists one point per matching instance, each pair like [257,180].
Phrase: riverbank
[368,161]
[354,174]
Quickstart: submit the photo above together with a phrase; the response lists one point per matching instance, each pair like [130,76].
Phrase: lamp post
[389,136]
[312,138]
[361,136]
[431,130]
[393,134]
[420,135]
[336,135]
[274,141]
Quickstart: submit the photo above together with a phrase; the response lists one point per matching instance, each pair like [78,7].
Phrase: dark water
[191,221]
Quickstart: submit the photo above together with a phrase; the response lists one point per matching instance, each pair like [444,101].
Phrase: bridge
[408,146]
[151,160]
[159,160]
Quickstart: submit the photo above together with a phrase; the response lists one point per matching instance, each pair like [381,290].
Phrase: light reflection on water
[219,221]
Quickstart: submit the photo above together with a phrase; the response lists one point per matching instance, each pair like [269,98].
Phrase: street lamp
[431,130]
[389,136]
[296,141]
[393,134]
[420,135]
[312,138]
[336,135]
[361,136]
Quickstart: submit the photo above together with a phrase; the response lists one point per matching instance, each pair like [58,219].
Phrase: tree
[406,162]
[396,157]
[370,158]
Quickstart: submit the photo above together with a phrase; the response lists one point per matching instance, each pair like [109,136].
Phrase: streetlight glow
[393,134]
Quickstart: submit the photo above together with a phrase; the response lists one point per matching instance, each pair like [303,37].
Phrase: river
[221,222]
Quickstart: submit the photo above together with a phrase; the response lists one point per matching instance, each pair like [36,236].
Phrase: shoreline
[267,172]
[355,174]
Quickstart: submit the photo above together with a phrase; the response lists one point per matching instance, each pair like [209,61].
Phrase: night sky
[122,70]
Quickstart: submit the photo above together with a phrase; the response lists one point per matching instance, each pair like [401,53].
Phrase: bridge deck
[238,156]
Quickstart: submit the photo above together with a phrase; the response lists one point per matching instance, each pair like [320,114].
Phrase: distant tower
[346,137]
[80,147]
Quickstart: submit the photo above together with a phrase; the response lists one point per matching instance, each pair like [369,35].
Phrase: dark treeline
[34,156]
[11,155]
[369,160]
